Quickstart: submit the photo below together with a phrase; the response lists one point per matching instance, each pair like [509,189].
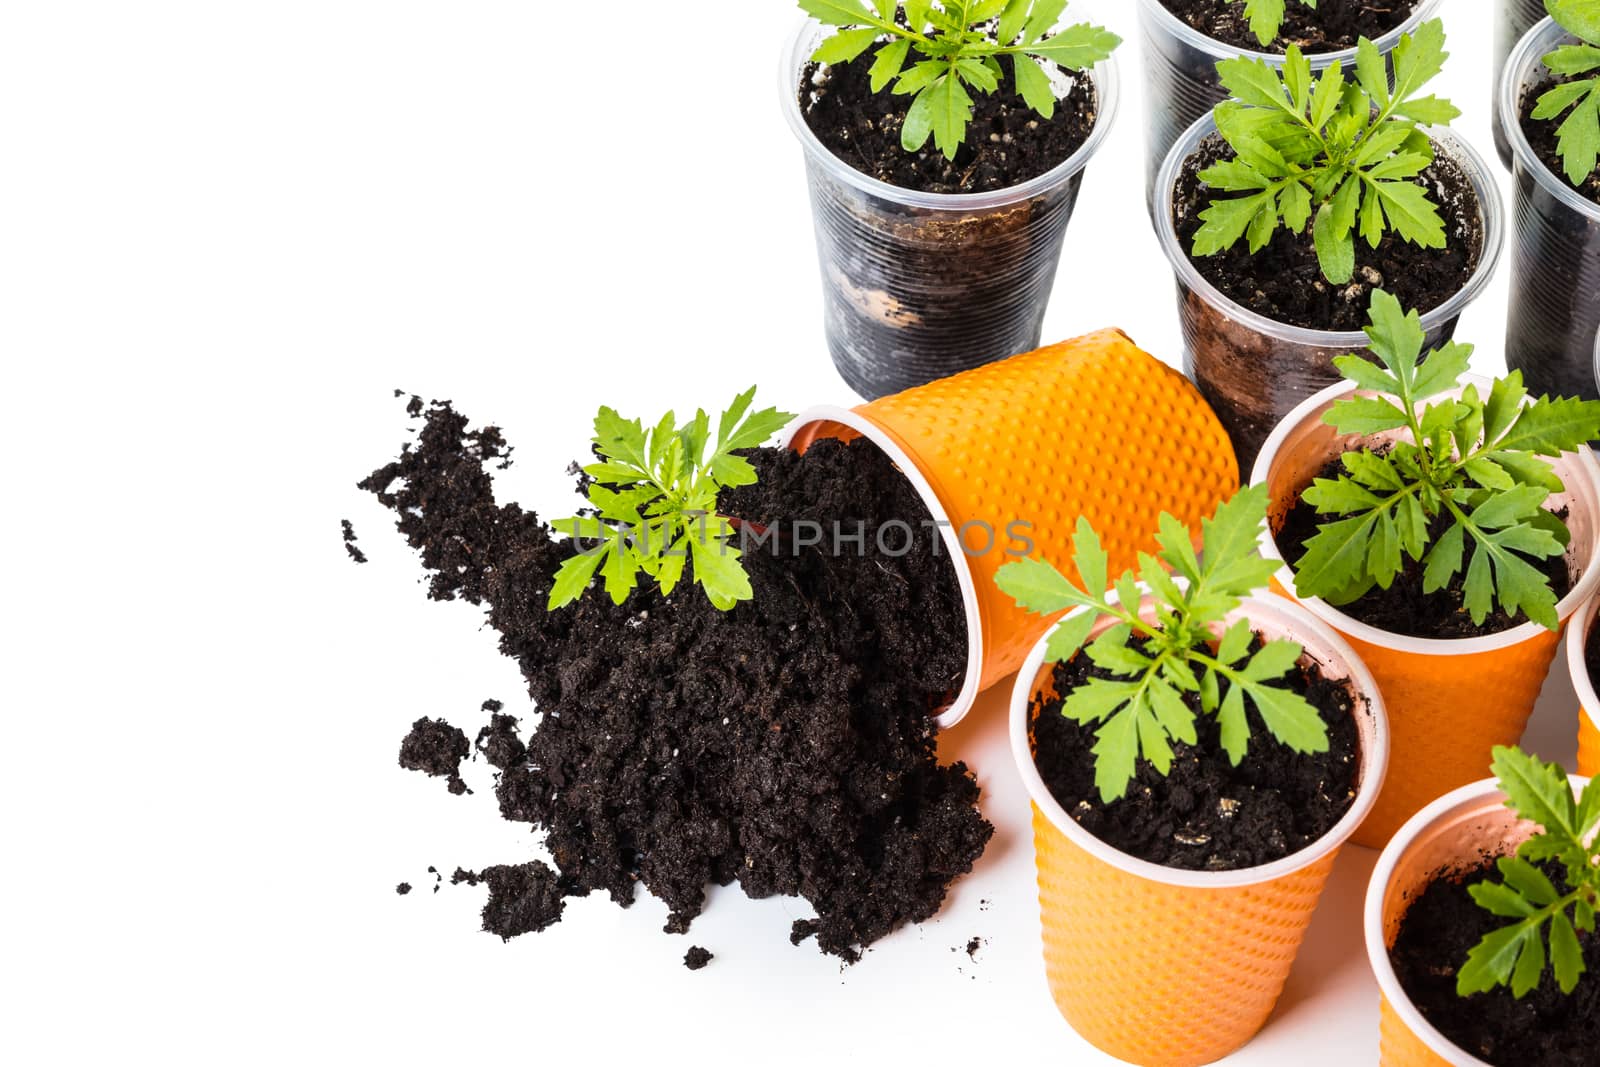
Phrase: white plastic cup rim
[1192,37]
[1375,762]
[968,694]
[795,54]
[1378,950]
[1577,640]
[1581,592]
[1531,50]
[1477,173]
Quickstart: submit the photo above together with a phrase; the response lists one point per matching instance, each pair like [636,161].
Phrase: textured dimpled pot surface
[1091,427]
[1450,701]
[1168,968]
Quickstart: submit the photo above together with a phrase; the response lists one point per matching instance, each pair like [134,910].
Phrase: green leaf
[1529,881]
[844,46]
[1581,18]
[1235,725]
[1012,20]
[1046,14]
[1336,251]
[1335,557]
[1096,699]
[1225,221]
[1266,18]
[949,112]
[1566,954]
[1038,587]
[620,570]
[1530,966]
[1254,82]
[1077,47]
[572,578]
[1411,213]
[1365,415]
[1372,73]
[1111,651]
[888,64]
[1033,85]
[1552,427]
[1444,559]
[836,12]
[1491,961]
[1274,660]
[1235,643]
[717,569]
[1069,635]
[1501,900]
[1578,138]
[1175,717]
[1419,58]
[1537,791]
[1116,754]
[1290,718]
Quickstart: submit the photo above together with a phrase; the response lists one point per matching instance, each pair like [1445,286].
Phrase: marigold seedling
[1545,922]
[940,53]
[1336,155]
[1143,708]
[1472,462]
[1578,136]
[1266,17]
[655,504]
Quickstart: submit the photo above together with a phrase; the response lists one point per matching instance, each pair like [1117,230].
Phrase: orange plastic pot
[1093,427]
[1169,968]
[1450,701]
[1455,833]
[1588,703]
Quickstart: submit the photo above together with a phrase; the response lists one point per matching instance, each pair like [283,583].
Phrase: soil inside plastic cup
[918,286]
[1555,253]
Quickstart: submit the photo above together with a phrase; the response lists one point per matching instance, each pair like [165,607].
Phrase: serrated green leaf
[1490,963]
[1111,651]
[1044,17]
[1289,717]
[1175,717]
[572,578]
[1443,561]
[1501,900]
[836,12]
[1033,85]
[1365,415]
[1116,754]
[1336,250]
[1235,726]
[1153,744]
[1334,557]
[1038,587]
[1528,881]
[1537,791]
[844,46]
[1566,954]
[889,62]
[1096,699]
[1012,20]
[1552,427]
[1412,215]
[1272,661]
[1580,18]
[1068,636]
[1076,47]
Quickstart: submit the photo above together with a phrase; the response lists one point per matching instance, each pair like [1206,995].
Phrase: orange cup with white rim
[1007,457]
[1170,968]
[1451,701]
[1578,631]
[1457,832]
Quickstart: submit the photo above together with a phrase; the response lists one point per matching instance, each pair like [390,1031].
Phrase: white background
[227,231]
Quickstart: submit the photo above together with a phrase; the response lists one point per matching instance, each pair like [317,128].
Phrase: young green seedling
[1155,665]
[1578,137]
[1336,155]
[1465,471]
[957,47]
[1266,17]
[1515,955]
[655,502]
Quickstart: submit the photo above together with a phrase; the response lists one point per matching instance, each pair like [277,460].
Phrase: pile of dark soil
[1331,26]
[1284,281]
[1541,135]
[522,900]
[436,748]
[350,542]
[696,958]
[1007,144]
[1544,1029]
[1403,608]
[786,744]
[1206,814]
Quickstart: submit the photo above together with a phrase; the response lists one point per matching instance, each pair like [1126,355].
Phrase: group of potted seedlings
[1216,687]
[1365,628]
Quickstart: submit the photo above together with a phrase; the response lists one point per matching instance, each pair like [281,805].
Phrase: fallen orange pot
[1588,703]
[1093,427]
[1450,701]
[1456,832]
[1170,968]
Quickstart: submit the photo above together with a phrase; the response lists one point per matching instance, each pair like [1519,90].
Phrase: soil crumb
[523,899]
[697,957]
[436,748]
[350,542]
[973,946]
[786,744]
[403,888]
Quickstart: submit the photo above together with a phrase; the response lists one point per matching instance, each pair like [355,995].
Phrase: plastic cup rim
[1372,915]
[1104,75]
[1508,103]
[1376,761]
[854,420]
[1176,27]
[1491,212]
[1583,590]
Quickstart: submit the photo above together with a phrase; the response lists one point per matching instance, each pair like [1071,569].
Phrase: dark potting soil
[1284,281]
[436,748]
[1544,1029]
[1591,656]
[523,899]
[1331,26]
[350,542]
[403,888]
[786,744]
[1403,608]
[973,945]
[696,958]
[1206,814]
[1541,135]
[1007,144]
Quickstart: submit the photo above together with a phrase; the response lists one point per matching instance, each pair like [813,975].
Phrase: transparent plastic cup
[1180,75]
[1555,257]
[1513,19]
[1253,370]
[918,286]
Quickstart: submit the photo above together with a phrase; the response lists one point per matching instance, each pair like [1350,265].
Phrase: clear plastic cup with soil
[1513,20]
[1183,40]
[1555,252]
[1480,924]
[1196,754]
[704,717]
[941,257]
[1275,263]
[1452,567]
